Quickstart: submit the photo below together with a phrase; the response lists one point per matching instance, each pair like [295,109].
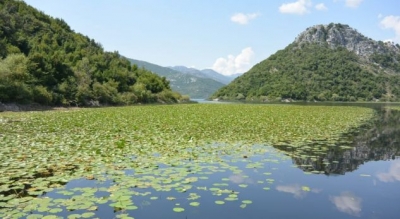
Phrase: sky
[227,36]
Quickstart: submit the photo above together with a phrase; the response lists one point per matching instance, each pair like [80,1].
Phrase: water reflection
[348,203]
[392,175]
[297,190]
[239,178]
[293,189]
[378,141]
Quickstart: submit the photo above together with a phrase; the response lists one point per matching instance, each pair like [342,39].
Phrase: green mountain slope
[184,83]
[44,61]
[325,63]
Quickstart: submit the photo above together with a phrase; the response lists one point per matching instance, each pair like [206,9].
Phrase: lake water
[358,180]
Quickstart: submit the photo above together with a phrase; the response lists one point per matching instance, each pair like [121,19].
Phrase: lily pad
[247,202]
[194,204]
[178,209]
[305,188]
[88,215]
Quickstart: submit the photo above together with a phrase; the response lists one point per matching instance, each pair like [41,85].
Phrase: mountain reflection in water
[379,140]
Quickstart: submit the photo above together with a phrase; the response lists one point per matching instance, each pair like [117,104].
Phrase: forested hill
[325,63]
[44,61]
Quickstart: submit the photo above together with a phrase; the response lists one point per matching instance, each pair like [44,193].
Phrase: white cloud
[234,64]
[392,22]
[297,190]
[353,3]
[321,7]
[393,175]
[241,18]
[293,189]
[239,178]
[347,203]
[300,7]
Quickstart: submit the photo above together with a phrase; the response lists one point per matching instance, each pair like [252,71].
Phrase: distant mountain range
[206,73]
[188,81]
[331,62]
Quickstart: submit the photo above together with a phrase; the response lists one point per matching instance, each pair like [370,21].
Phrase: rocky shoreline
[13,107]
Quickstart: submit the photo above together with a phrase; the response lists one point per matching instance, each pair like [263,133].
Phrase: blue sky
[228,36]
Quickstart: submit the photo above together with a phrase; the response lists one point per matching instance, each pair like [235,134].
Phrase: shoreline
[15,107]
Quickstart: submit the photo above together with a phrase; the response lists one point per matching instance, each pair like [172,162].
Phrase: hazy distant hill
[188,84]
[206,73]
[325,63]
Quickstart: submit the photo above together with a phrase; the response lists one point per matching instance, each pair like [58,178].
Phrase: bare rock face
[340,35]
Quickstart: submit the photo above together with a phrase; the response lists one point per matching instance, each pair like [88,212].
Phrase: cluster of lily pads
[131,151]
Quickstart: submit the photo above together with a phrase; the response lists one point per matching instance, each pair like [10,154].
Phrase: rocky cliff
[340,35]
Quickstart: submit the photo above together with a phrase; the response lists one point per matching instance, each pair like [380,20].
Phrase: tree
[13,79]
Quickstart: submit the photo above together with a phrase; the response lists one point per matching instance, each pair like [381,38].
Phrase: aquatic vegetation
[194,204]
[139,151]
[178,209]
[305,188]
[219,202]
[394,107]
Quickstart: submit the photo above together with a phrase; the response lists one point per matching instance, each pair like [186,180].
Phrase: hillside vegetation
[314,70]
[44,61]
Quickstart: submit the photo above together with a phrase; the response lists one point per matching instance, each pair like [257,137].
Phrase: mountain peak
[341,35]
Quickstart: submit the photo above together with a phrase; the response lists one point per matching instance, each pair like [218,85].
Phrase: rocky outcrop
[340,35]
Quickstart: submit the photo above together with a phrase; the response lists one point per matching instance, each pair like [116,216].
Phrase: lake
[344,171]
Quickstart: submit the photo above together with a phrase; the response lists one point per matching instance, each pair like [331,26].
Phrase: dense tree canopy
[42,60]
[315,72]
